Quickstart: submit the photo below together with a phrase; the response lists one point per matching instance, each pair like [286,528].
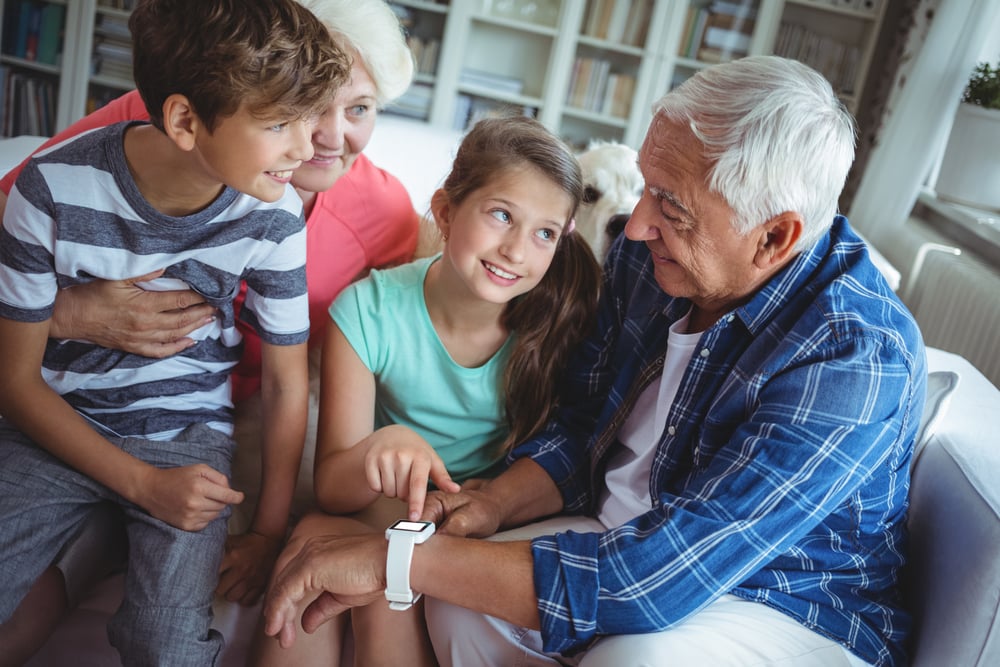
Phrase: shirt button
[730,318]
[705,352]
[671,430]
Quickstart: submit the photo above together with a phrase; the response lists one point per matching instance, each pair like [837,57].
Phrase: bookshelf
[107,39]
[587,69]
[706,32]
[35,75]
[836,37]
[613,71]
[473,81]
[591,69]
[576,65]
[425,24]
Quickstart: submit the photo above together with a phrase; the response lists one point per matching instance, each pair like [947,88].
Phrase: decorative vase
[970,169]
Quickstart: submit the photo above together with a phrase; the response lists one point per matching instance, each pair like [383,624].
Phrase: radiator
[954,296]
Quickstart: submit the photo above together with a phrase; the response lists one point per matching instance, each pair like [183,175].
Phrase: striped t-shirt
[75,215]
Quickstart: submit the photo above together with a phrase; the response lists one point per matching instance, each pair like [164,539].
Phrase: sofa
[952,581]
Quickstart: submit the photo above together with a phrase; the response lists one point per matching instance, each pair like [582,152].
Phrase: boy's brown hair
[274,56]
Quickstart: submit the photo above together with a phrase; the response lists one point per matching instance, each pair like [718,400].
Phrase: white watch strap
[397,572]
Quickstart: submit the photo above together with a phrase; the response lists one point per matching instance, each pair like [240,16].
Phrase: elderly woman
[357,217]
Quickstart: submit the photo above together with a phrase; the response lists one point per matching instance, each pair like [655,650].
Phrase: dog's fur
[612,187]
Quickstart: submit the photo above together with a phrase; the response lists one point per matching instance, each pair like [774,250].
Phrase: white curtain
[921,114]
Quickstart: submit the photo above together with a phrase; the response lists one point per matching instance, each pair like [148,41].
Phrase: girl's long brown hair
[549,321]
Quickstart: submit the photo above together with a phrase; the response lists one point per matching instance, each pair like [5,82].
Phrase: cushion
[940,387]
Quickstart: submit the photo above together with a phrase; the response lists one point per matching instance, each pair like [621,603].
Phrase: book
[4,73]
[695,31]
[50,31]
[595,8]
[579,92]
[11,23]
[638,22]
[741,8]
[491,80]
[727,41]
[616,22]
[622,97]
[23,28]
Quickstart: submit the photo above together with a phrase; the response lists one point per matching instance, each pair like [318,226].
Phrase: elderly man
[730,465]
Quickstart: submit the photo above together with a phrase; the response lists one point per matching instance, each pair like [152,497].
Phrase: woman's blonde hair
[372,30]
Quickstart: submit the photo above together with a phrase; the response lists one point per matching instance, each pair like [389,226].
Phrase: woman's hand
[399,464]
[121,315]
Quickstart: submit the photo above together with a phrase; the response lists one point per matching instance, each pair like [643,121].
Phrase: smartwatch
[402,535]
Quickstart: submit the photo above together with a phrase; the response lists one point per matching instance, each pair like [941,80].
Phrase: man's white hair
[776,137]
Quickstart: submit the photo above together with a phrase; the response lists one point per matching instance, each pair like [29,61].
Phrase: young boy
[231,87]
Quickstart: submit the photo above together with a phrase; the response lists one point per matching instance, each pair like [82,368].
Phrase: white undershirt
[626,494]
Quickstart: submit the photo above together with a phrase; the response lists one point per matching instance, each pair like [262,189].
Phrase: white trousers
[730,631]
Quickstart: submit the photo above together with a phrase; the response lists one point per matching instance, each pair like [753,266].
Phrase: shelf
[836,39]
[509,98]
[31,65]
[844,8]
[515,24]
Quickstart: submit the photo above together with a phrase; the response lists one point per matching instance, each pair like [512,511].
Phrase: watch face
[411,526]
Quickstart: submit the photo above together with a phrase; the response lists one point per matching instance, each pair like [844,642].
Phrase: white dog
[612,187]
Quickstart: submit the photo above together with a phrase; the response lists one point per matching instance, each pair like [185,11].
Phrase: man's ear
[180,122]
[778,238]
[440,209]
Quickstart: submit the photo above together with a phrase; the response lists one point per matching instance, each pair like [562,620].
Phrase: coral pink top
[365,220]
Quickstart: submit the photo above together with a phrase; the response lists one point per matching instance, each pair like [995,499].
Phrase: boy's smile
[253,155]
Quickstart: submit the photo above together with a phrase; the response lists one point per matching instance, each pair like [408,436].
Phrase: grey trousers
[166,614]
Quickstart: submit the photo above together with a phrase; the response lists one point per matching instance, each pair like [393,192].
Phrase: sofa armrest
[953,578]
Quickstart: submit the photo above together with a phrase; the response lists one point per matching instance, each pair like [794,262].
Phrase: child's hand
[246,567]
[189,497]
[399,464]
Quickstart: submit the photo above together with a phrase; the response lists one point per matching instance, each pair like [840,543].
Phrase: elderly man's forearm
[495,578]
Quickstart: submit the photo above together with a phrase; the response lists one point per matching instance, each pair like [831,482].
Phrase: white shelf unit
[425,25]
[522,56]
[102,27]
[530,48]
[747,27]
[632,56]
[837,37]
[490,59]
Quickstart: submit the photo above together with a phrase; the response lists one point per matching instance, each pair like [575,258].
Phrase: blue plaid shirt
[781,476]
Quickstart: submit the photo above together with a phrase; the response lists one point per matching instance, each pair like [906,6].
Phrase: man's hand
[522,493]
[326,576]
[469,513]
[189,497]
[119,314]
[246,566]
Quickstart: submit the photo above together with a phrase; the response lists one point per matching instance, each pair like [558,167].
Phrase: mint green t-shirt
[458,410]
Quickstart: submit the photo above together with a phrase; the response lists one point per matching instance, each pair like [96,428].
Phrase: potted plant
[970,169]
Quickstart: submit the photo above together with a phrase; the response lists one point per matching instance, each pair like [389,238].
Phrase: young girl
[432,370]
